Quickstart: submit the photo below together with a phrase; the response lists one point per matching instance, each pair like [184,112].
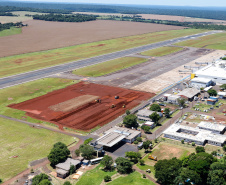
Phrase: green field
[134,178]
[29,144]
[109,66]
[37,60]
[215,41]
[11,31]
[27,91]
[162,51]
[94,177]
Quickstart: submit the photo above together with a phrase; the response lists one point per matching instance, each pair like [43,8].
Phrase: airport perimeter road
[42,73]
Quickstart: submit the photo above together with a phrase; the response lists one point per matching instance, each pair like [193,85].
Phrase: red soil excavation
[85,116]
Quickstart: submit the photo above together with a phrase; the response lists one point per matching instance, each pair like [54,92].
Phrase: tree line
[9,25]
[65,18]
[213,13]
[6,14]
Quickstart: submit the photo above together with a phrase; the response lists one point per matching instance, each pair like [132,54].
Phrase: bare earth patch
[44,35]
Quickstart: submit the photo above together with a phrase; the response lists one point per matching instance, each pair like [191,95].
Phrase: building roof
[221,93]
[213,70]
[67,164]
[115,135]
[85,161]
[149,123]
[61,171]
[200,136]
[201,80]
[146,113]
[189,92]
[173,97]
[212,126]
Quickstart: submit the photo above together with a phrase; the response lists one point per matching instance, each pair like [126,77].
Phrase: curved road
[42,73]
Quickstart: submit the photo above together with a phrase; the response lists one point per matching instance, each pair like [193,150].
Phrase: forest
[198,12]
[65,18]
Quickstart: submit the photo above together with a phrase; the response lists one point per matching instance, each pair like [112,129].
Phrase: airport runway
[42,73]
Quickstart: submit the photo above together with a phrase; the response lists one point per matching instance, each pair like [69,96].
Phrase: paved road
[42,73]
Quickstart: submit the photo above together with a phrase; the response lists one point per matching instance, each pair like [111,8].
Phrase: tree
[58,154]
[0,181]
[133,156]
[130,121]
[145,128]
[200,163]
[124,166]
[38,178]
[193,144]
[155,107]
[212,92]
[167,170]
[199,149]
[187,174]
[141,161]
[146,144]
[224,148]
[155,117]
[217,174]
[139,139]
[77,152]
[107,178]
[182,141]
[87,151]
[214,153]
[67,183]
[181,102]
[45,182]
[127,112]
[72,169]
[167,112]
[87,141]
[107,161]
[223,86]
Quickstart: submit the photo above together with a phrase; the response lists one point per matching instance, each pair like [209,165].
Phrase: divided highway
[42,73]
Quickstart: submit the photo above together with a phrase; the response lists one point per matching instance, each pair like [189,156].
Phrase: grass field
[215,41]
[94,177]
[11,31]
[134,178]
[27,143]
[31,61]
[109,66]
[20,18]
[30,90]
[162,51]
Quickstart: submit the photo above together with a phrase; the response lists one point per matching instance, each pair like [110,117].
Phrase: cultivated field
[45,35]
[162,51]
[109,66]
[86,116]
[22,144]
[11,31]
[26,62]
[215,41]
[27,91]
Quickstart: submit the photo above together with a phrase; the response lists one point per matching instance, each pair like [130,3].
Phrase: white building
[201,82]
[197,135]
[215,128]
[145,113]
[222,95]
[150,124]
[215,72]
[173,99]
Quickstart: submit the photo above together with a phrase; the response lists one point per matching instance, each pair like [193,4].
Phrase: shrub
[107,178]
[141,161]
[87,141]
[135,142]
[199,149]
[193,144]
[139,139]
[77,152]
[182,141]
[144,176]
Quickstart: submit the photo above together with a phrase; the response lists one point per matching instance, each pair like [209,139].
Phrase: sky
[218,3]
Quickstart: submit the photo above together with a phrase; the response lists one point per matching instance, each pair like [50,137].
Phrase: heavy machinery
[124,106]
[152,157]
[113,106]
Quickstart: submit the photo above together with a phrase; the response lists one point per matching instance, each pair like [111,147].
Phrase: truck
[152,157]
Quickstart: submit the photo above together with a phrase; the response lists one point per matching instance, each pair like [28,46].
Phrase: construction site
[82,106]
